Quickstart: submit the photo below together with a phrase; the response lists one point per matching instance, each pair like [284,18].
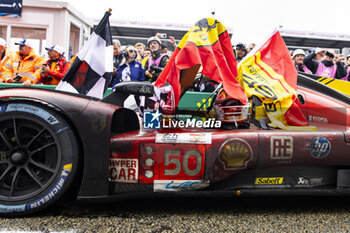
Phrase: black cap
[241,46]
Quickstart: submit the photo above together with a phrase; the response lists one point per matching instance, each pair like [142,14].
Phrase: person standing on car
[298,58]
[5,56]
[55,68]
[329,67]
[129,69]
[21,68]
[157,61]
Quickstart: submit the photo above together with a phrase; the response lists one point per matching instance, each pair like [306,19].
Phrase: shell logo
[235,154]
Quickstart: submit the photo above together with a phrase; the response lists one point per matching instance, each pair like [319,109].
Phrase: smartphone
[162,35]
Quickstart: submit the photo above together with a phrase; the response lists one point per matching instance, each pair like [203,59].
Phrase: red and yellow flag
[208,45]
[270,75]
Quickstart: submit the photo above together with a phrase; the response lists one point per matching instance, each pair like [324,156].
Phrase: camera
[124,54]
[155,68]
[17,78]
[48,78]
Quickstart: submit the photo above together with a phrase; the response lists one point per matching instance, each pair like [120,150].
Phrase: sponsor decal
[61,130]
[98,124]
[33,110]
[15,208]
[124,170]
[281,147]
[189,138]
[311,181]
[235,154]
[56,188]
[179,185]
[320,147]
[318,119]
[146,90]
[151,120]
[269,180]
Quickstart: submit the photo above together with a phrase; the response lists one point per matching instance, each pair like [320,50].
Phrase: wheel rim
[30,157]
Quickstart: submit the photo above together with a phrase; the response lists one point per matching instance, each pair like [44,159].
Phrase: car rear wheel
[38,157]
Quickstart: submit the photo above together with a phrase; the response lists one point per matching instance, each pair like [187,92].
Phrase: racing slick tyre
[38,157]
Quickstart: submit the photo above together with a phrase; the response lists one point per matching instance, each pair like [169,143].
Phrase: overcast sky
[251,20]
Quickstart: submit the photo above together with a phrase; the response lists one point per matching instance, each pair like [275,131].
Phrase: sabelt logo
[269,180]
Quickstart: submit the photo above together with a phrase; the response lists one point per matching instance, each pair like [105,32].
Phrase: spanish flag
[270,75]
[208,45]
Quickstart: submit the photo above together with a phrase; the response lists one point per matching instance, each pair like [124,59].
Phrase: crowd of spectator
[131,62]
[142,62]
[322,62]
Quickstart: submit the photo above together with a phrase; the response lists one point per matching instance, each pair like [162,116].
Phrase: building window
[37,36]
[3,30]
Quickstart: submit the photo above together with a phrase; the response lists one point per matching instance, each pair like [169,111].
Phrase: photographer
[21,68]
[129,69]
[55,68]
[157,61]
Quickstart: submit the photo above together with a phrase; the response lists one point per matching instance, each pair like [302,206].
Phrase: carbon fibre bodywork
[242,159]
[92,123]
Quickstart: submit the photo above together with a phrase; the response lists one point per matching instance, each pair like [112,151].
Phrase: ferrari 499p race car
[55,144]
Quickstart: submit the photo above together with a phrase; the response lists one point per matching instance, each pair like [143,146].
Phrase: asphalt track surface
[192,214]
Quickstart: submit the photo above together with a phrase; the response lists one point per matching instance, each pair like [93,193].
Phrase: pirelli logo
[269,180]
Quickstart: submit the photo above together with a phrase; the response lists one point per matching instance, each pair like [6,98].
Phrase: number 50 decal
[175,154]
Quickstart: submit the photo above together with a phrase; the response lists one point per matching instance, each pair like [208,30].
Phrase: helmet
[230,110]
[153,38]
[297,52]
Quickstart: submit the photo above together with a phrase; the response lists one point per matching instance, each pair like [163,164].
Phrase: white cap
[297,52]
[317,50]
[2,42]
[56,48]
[24,42]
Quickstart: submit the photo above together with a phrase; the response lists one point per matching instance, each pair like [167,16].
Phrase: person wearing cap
[241,51]
[22,67]
[157,61]
[5,56]
[330,66]
[298,58]
[51,72]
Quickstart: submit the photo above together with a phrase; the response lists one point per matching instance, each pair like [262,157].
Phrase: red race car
[55,144]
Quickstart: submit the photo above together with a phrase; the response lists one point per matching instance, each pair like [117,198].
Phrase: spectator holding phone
[330,66]
[21,68]
[51,72]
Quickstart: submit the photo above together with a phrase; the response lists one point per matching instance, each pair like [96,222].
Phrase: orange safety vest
[25,67]
[8,55]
